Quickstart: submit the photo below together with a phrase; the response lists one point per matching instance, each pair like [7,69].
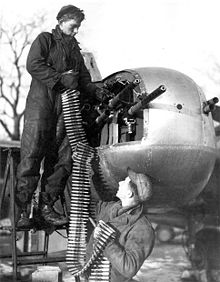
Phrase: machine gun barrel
[146,100]
[210,105]
[114,101]
[100,119]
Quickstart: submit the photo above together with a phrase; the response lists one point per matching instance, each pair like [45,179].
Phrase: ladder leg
[46,244]
[6,175]
[13,223]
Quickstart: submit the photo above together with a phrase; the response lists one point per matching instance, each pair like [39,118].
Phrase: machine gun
[115,102]
[209,105]
[118,99]
[146,100]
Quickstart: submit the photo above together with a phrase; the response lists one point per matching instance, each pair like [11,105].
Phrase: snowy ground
[166,263]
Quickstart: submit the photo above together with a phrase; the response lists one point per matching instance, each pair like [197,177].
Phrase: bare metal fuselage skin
[175,140]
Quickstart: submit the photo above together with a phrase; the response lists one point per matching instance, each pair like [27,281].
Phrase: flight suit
[44,137]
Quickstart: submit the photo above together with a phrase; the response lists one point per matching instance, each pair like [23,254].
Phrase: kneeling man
[135,236]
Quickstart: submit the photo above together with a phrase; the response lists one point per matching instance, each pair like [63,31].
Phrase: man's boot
[48,213]
[23,221]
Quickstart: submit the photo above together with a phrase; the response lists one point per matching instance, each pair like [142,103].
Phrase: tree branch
[16,39]
[4,125]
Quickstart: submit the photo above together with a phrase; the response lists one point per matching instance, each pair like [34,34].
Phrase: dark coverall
[133,244]
[43,136]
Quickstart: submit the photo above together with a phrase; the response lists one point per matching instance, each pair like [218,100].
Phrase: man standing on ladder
[55,64]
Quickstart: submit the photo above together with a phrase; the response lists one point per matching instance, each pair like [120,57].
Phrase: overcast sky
[178,34]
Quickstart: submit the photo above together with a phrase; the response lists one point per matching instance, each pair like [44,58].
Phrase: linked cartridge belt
[98,267]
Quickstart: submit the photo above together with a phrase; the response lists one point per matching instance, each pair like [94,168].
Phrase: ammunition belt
[98,267]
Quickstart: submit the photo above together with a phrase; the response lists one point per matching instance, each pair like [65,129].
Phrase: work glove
[70,80]
[103,95]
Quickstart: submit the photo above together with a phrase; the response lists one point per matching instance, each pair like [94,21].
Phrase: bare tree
[15,42]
